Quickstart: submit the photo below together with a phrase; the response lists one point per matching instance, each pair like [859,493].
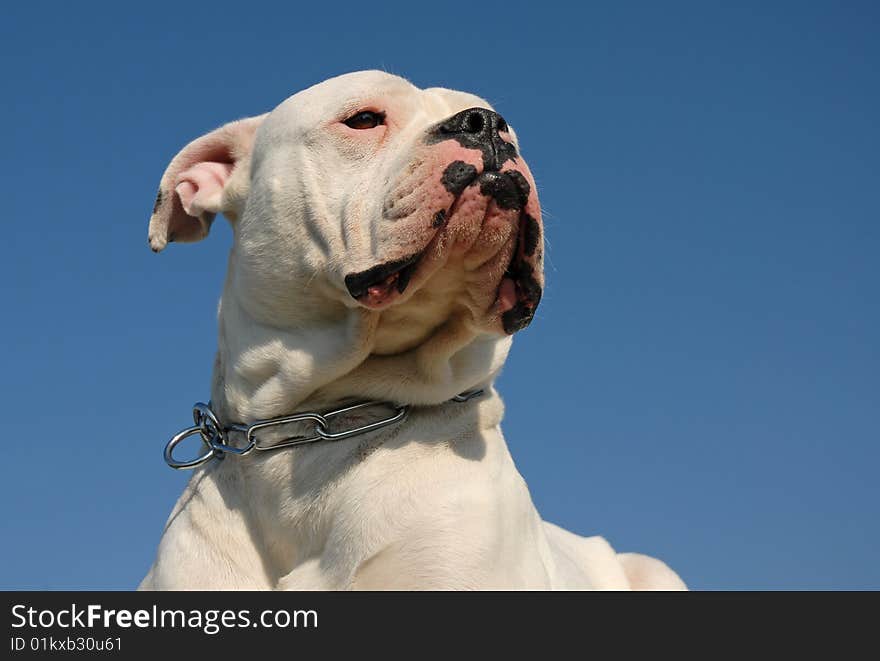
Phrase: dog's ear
[194,187]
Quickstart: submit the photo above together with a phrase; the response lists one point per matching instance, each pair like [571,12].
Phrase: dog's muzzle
[476,190]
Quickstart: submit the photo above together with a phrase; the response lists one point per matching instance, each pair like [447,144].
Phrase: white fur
[433,503]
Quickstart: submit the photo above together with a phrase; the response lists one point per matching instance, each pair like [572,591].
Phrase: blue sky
[701,381]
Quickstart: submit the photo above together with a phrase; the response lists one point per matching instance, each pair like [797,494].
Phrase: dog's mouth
[378,286]
[519,290]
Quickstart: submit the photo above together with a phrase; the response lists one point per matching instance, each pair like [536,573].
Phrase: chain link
[215,437]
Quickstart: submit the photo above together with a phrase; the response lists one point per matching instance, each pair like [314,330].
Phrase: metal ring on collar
[177,439]
[214,434]
[221,448]
[207,421]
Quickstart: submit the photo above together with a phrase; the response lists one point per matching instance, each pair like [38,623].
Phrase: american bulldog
[387,245]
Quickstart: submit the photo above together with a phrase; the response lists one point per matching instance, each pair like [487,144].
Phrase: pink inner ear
[201,187]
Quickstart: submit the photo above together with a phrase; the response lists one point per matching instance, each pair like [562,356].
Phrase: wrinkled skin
[391,261]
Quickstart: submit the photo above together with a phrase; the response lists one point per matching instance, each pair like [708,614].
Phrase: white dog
[387,244]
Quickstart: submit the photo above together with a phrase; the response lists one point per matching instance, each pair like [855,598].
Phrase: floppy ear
[192,189]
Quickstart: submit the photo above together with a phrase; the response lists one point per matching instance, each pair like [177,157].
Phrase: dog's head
[366,193]
[383,186]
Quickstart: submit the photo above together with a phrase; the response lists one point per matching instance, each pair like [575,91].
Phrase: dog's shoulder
[647,573]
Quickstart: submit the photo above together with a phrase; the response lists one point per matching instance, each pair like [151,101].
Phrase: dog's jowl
[387,246]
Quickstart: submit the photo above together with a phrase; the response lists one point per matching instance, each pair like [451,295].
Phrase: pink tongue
[376,293]
[507,294]
[380,294]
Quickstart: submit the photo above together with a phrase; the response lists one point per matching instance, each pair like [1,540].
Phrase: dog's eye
[365,119]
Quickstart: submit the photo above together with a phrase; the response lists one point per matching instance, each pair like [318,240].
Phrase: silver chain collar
[215,437]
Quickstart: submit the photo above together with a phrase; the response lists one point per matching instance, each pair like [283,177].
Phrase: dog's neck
[263,370]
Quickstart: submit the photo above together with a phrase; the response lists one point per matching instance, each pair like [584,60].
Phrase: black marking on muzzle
[457,176]
[528,294]
[510,190]
[522,272]
[359,283]
[517,318]
[531,235]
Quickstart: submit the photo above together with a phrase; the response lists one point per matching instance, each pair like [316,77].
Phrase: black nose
[478,128]
[479,123]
